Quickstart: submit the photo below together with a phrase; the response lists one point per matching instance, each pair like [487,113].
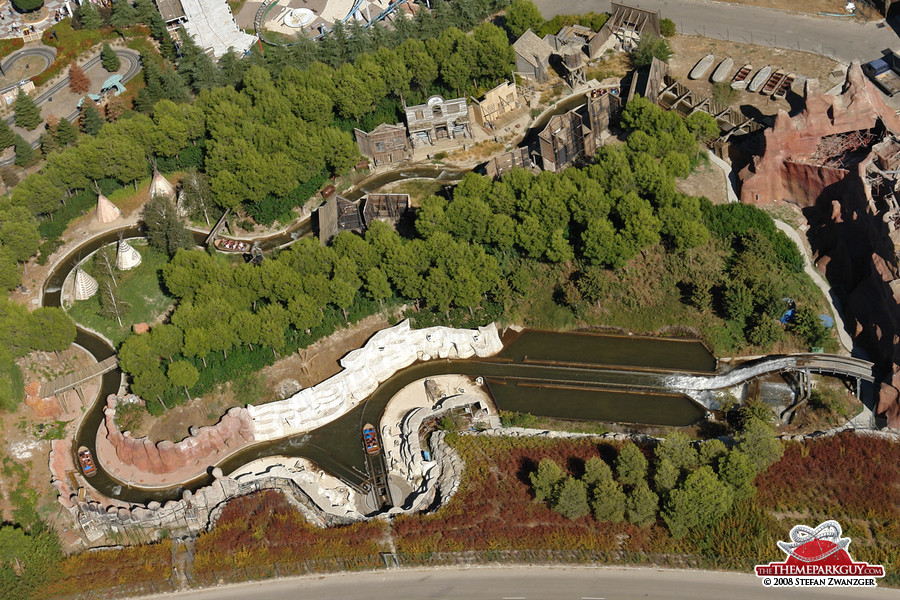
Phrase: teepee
[160,186]
[107,212]
[126,256]
[85,285]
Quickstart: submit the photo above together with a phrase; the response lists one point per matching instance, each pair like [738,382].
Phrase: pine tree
[7,137]
[546,480]
[89,17]
[109,59]
[572,500]
[641,506]
[25,155]
[91,121]
[27,113]
[631,465]
[78,81]
[66,133]
[48,143]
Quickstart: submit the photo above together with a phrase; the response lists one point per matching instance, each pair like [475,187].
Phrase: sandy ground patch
[706,180]
[814,7]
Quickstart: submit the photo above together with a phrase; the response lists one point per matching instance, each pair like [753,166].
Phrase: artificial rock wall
[205,447]
[847,231]
[384,354]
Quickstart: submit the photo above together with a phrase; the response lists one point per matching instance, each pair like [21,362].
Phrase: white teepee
[85,285]
[126,256]
[107,212]
[160,186]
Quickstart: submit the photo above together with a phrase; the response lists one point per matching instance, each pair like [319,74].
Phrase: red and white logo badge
[818,558]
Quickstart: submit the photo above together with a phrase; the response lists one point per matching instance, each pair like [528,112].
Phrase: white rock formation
[126,256]
[107,212]
[384,354]
[85,285]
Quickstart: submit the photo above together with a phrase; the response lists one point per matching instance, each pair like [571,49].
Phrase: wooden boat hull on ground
[702,67]
[759,79]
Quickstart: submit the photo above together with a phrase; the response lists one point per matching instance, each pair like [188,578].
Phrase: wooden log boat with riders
[370,439]
[226,245]
[87,462]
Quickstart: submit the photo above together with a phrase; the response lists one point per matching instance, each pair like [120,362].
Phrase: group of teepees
[126,256]
[107,212]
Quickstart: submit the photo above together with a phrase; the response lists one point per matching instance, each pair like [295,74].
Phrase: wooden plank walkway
[74,379]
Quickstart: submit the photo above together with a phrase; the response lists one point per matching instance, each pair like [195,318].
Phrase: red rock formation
[205,447]
[780,174]
[847,232]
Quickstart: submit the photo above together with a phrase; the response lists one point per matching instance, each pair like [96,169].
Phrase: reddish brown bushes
[263,528]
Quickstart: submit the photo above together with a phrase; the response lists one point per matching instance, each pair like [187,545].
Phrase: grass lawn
[141,288]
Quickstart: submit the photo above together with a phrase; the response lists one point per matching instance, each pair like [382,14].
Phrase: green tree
[28,5]
[66,133]
[91,120]
[19,236]
[377,285]
[703,126]
[631,465]
[641,506]
[54,330]
[89,17]
[711,451]
[648,48]
[666,476]
[165,229]
[123,16]
[736,469]
[7,137]
[608,501]
[166,341]
[546,479]
[151,383]
[808,326]
[109,59]
[136,354]
[596,471]
[27,114]
[25,154]
[521,16]
[571,500]
[700,502]
[759,443]
[677,447]
[182,374]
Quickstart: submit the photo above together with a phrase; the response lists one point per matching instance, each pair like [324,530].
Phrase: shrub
[648,48]
[667,27]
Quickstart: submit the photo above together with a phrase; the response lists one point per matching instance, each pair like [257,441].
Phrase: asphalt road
[523,583]
[841,39]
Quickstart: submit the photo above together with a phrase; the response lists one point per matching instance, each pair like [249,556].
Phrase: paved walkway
[13,24]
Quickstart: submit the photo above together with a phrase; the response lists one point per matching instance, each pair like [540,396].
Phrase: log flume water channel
[616,378]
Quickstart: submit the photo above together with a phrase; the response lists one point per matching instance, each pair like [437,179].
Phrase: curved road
[130,57]
[524,583]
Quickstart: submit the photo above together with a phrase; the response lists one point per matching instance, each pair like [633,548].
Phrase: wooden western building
[336,215]
[384,145]
[496,104]
[437,119]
